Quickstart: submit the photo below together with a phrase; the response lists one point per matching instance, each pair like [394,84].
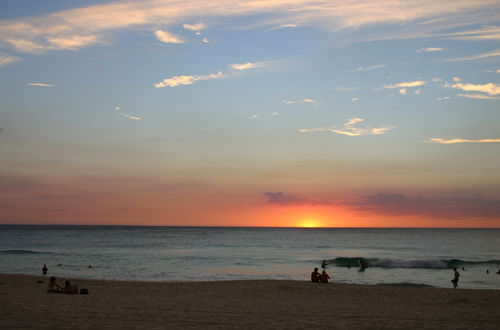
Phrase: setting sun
[309,223]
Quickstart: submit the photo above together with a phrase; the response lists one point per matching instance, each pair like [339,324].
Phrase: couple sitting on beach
[316,277]
[55,288]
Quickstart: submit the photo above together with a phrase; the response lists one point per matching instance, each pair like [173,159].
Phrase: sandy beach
[262,304]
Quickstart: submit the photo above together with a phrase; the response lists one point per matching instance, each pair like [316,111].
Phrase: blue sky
[323,100]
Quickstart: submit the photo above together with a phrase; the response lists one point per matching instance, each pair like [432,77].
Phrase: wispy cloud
[494,71]
[6,59]
[444,207]
[488,32]
[205,40]
[443,98]
[407,84]
[489,90]
[306,100]
[248,65]
[280,198]
[368,68]
[479,96]
[233,71]
[488,55]
[430,50]
[350,128]
[187,80]
[167,37]
[41,84]
[254,117]
[355,99]
[345,89]
[81,27]
[458,140]
[195,27]
[118,109]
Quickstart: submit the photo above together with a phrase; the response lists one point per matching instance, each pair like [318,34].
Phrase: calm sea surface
[394,256]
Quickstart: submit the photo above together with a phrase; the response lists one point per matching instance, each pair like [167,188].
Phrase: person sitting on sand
[68,288]
[456,275]
[45,269]
[315,276]
[324,277]
[53,286]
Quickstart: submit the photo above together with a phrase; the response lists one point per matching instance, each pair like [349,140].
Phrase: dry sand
[265,304]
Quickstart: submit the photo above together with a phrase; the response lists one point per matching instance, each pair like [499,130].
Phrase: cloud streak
[41,85]
[406,84]
[350,128]
[482,56]
[362,69]
[458,140]
[430,50]
[306,100]
[445,207]
[82,27]
[191,79]
[118,109]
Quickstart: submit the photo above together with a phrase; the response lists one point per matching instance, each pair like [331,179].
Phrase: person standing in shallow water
[456,275]
[45,269]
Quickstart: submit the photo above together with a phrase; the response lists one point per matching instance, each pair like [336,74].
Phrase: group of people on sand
[316,277]
[55,288]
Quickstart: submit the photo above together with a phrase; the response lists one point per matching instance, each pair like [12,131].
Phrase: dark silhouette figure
[487,271]
[53,286]
[456,275]
[45,269]
[362,265]
[324,277]
[68,288]
[315,276]
[323,264]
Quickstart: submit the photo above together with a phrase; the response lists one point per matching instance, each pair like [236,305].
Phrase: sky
[329,113]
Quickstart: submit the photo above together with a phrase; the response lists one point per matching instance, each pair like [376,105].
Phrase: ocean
[405,257]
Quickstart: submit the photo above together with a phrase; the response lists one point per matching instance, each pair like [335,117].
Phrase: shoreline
[271,304]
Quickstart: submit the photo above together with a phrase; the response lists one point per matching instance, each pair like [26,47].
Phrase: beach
[246,304]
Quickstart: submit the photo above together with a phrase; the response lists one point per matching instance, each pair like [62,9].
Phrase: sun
[309,223]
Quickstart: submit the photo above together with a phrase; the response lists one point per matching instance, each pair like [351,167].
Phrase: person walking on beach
[45,269]
[315,276]
[456,275]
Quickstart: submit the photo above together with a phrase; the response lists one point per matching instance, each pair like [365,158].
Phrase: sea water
[410,257]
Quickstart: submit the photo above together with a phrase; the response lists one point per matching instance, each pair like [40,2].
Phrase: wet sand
[261,304]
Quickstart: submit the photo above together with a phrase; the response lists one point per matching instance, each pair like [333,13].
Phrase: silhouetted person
[68,288]
[456,275]
[362,265]
[323,264]
[498,271]
[315,276]
[487,271]
[324,277]
[53,286]
[45,269]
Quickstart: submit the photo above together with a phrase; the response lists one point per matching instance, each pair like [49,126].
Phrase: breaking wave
[398,263]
